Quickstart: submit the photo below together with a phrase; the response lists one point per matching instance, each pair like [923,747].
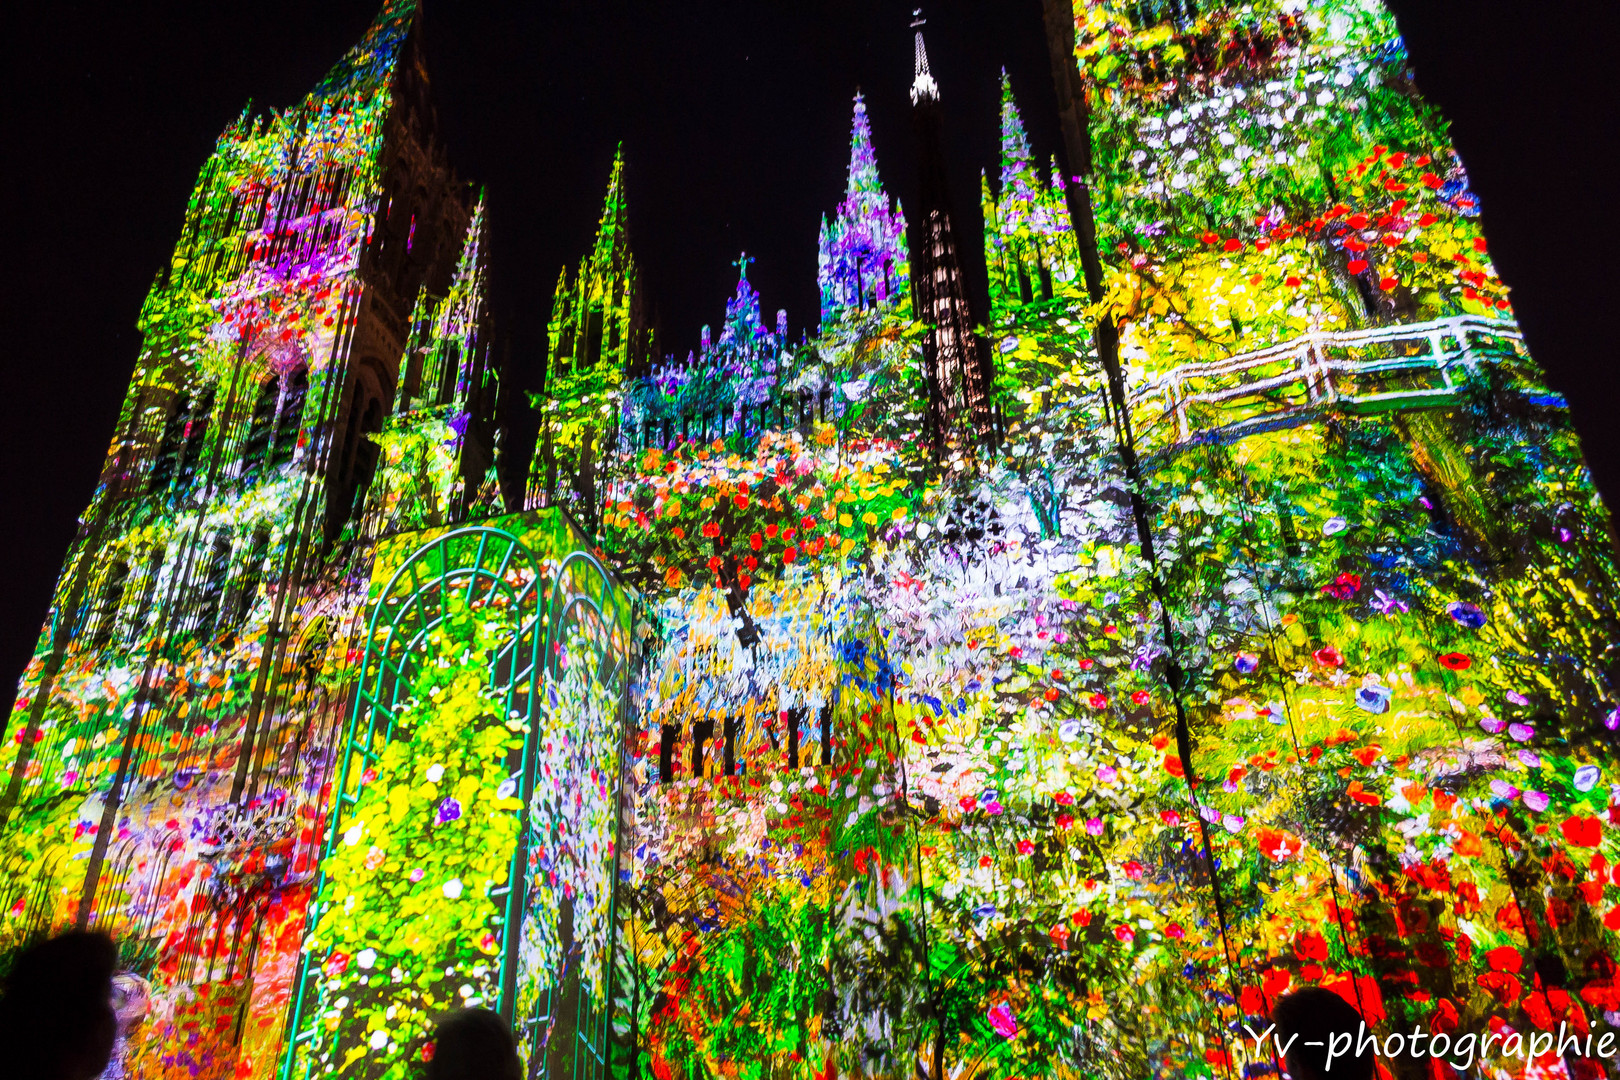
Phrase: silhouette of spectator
[474,1044]
[56,1019]
[1320,1023]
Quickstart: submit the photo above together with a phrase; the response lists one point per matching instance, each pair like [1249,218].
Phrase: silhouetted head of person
[56,1019]
[1320,1030]
[474,1044]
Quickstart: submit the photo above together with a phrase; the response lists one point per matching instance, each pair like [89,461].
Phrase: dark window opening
[367,453]
[565,347]
[254,575]
[593,339]
[213,583]
[143,606]
[1026,293]
[666,752]
[170,445]
[826,734]
[729,758]
[449,373]
[795,720]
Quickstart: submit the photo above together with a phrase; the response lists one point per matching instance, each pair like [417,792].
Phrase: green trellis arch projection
[467,711]
[562,977]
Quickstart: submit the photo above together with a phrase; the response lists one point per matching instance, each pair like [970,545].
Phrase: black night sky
[735,121]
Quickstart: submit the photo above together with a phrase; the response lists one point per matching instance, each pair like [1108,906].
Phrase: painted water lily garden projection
[923,696]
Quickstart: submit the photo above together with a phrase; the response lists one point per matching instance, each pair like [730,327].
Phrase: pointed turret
[862,262]
[613,225]
[370,64]
[1017,161]
[863,174]
[595,316]
[595,337]
[1029,246]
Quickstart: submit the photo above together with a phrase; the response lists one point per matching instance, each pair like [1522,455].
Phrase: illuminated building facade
[317,383]
[1233,613]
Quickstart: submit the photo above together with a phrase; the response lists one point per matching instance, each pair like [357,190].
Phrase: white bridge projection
[1418,365]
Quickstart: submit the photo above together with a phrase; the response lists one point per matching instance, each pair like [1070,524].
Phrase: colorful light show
[1232,613]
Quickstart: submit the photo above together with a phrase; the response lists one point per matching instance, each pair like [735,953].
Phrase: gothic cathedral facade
[1227,610]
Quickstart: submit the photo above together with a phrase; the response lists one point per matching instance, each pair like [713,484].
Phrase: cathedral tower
[314,372]
[956,366]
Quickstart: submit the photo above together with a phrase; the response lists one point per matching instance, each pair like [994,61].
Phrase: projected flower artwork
[1230,613]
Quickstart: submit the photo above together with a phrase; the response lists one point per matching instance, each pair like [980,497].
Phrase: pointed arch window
[702,735]
[105,619]
[252,576]
[143,605]
[668,738]
[170,445]
[449,373]
[202,410]
[1026,289]
[795,722]
[211,589]
[593,338]
[261,425]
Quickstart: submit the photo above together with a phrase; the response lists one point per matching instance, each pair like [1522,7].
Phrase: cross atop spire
[741,263]
[923,86]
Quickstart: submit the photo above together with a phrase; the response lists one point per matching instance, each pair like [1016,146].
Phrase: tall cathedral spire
[955,363]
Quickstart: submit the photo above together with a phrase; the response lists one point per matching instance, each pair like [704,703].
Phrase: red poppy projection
[1232,613]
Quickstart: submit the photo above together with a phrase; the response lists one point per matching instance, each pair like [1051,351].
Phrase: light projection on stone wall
[1231,612]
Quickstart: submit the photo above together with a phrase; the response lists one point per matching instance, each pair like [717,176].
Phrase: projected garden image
[917,695]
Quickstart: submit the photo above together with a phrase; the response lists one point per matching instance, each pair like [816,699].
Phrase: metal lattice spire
[923,85]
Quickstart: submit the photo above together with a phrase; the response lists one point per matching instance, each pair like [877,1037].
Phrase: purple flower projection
[449,811]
